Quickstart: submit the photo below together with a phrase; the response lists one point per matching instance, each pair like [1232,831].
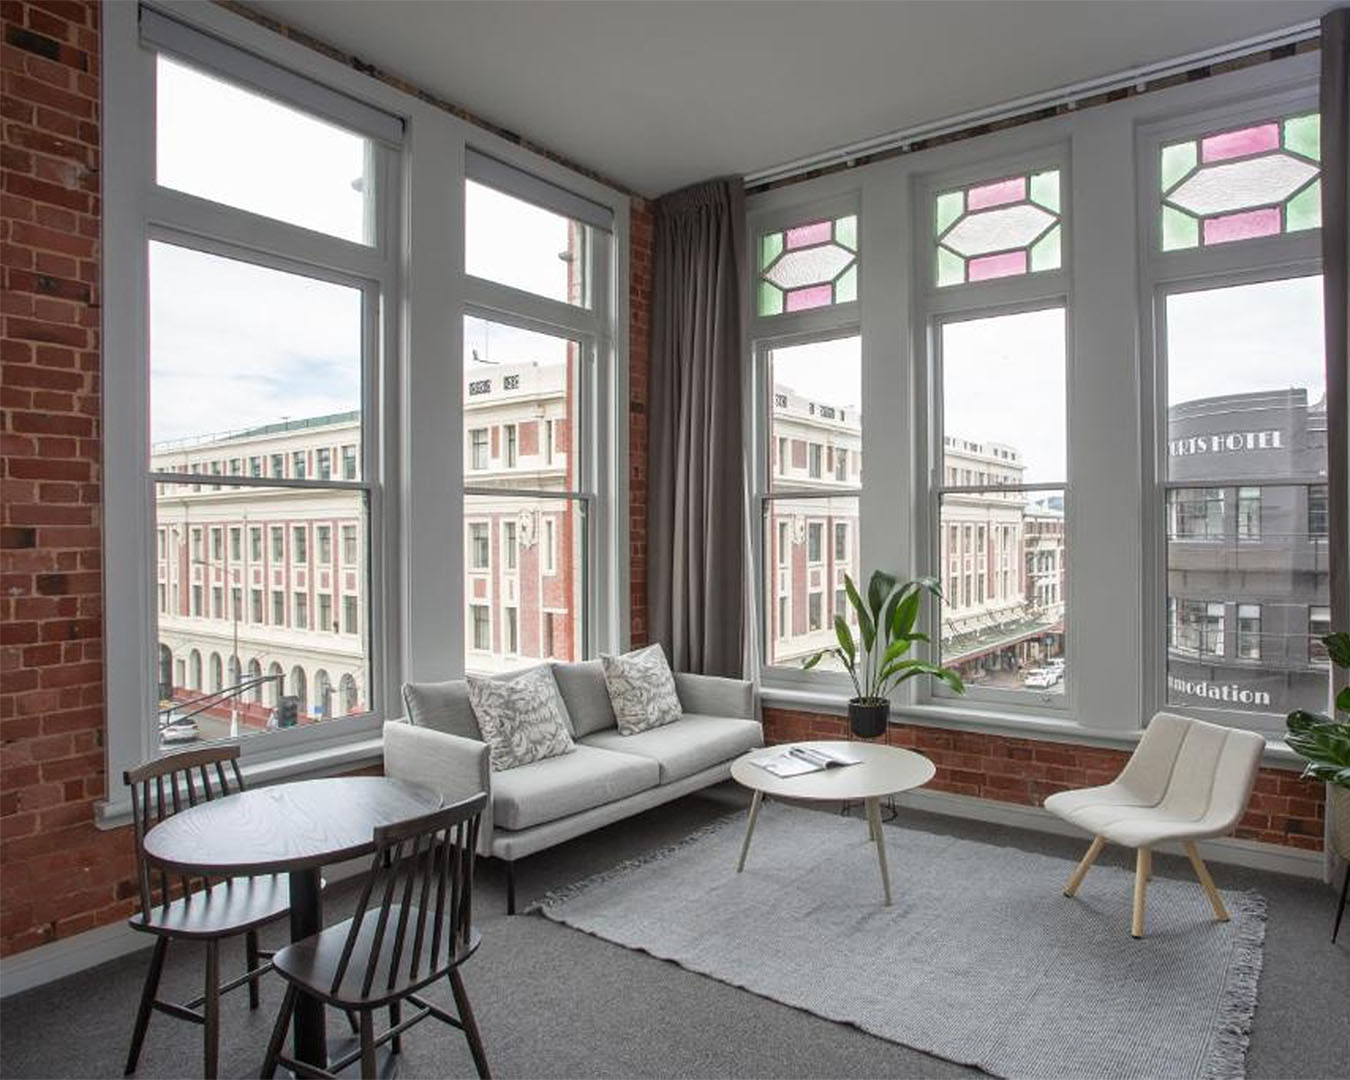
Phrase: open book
[797,760]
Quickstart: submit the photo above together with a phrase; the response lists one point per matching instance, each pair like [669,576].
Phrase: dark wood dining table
[293,829]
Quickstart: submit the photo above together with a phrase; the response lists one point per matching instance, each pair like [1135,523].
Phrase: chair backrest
[1193,769]
[163,787]
[422,873]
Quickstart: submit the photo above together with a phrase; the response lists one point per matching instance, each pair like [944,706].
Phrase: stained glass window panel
[1258,180]
[1000,228]
[811,265]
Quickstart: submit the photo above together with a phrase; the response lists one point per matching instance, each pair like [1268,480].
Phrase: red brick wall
[1284,809]
[58,874]
[639,353]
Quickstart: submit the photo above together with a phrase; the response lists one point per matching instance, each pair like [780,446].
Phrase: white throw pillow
[522,718]
[641,689]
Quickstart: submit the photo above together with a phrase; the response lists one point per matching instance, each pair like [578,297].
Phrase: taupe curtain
[1335,108]
[695,553]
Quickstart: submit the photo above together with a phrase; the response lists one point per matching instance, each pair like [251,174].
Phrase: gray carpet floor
[554,1002]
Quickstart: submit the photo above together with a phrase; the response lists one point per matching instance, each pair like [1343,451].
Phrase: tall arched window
[217,672]
[165,672]
[347,692]
[277,686]
[255,693]
[194,670]
[236,676]
[323,693]
[299,687]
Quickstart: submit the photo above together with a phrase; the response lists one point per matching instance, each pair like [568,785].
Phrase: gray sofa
[607,776]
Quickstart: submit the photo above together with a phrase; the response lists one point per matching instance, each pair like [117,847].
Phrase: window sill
[299,765]
[993,722]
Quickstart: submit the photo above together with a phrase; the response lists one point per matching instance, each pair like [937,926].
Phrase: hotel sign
[1231,442]
[1219,693]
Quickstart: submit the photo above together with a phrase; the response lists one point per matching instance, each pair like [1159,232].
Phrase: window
[809,266]
[840,464]
[1319,626]
[299,458]
[1242,397]
[300,610]
[197,600]
[197,552]
[998,228]
[815,542]
[236,543]
[1002,428]
[481,629]
[815,611]
[815,454]
[349,615]
[480,545]
[300,543]
[512,643]
[550,437]
[256,606]
[255,466]
[278,466]
[349,545]
[782,457]
[278,608]
[325,620]
[278,543]
[840,541]
[349,462]
[323,463]
[1240,183]
[550,547]
[1317,510]
[255,544]
[323,538]
[509,553]
[547,253]
[784,543]
[478,449]
[217,545]
[511,443]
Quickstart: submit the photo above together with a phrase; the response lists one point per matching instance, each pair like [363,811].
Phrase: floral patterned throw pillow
[641,689]
[522,719]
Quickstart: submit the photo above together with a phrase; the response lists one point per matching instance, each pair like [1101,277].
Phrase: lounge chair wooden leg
[1202,872]
[1076,878]
[1143,867]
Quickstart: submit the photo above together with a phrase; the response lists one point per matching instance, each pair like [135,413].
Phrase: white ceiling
[659,94]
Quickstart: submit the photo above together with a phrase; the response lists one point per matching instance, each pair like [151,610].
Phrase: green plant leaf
[1338,648]
[865,624]
[1302,720]
[812,661]
[878,590]
[845,636]
[906,614]
[1343,699]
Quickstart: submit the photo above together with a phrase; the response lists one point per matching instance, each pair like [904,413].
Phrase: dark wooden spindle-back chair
[421,877]
[196,908]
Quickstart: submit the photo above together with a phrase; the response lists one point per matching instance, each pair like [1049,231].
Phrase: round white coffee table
[881,770]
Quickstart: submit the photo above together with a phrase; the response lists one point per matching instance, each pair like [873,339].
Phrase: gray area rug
[981,960]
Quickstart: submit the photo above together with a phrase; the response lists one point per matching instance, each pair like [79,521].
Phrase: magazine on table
[799,760]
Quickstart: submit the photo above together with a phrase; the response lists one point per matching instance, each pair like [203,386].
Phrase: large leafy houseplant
[879,659]
[1323,741]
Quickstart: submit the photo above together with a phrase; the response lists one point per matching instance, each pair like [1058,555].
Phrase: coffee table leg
[874,819]
[311,1045]
[750,829]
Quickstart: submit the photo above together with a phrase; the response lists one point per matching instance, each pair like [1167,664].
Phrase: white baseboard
[67,956]
[1280,860]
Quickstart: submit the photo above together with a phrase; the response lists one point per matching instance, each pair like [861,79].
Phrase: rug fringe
[569,892]
[1236,1006]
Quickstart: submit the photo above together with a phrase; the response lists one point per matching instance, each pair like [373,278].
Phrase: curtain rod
[1064,95]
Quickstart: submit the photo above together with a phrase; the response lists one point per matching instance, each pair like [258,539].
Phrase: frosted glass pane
[1303,135]
[1180,230]
[1045,189]
[951,268]
[1237,185]
[770,246]
[770,299]
[949,208]
[999,230]
[1045,253]
[808,266]
[846,288]
[1177,161]
[1304,210]
[846,232]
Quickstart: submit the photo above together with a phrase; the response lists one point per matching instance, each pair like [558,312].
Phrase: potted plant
[879,661]
[1325,743]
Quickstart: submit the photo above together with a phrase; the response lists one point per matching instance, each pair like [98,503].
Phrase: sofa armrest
[451,765]
[711,695]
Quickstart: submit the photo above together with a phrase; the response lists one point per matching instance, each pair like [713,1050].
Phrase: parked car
[174,727]
[1040,679]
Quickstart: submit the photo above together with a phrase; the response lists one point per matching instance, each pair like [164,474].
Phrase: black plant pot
[867,716]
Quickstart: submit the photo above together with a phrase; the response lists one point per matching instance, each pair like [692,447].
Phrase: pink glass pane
[818,232]
[1231,144]
[815,296]
[1242,226]
[996,266]
[996,194]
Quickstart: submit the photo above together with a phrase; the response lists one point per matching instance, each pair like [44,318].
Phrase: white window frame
[417,633]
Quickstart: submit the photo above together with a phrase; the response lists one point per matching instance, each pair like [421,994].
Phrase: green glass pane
[951,268]
[1045,254]
[770,299]
[1045,190]
[846,232]
[949,207]
[1177,160]
[846,286]
[1179,230]
[1303,135]
[770,246]
[1304,210]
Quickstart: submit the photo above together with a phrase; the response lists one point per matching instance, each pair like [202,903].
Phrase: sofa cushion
[442,706]
[583,689]
[689,745]
[641,689]
[523,718]
[561,786]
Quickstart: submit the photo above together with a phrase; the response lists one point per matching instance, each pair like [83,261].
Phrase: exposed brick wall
[639,363]
[58,874]
[1284,809]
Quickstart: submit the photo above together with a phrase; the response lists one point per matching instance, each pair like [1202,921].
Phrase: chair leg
[470,1024]
[1340,911]
[368,1070]
[396,1043]
[1202,872]
[1143,867]
[510,887]
[251,961]
[211,1011]
[279,1030]
[1076,878]
[148,992]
